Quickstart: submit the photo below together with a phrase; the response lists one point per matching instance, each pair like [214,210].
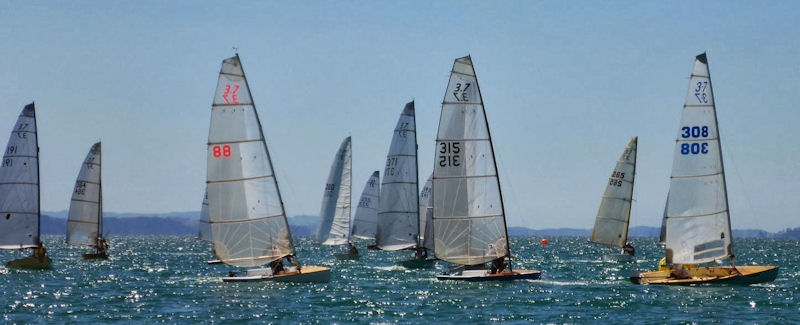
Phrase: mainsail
[398,216]
[19,185]
[468,214]
[426,214]
[85,221]
[248,221]
[204,225]
[613,216]
[334,223]
[365,222]
[698,223]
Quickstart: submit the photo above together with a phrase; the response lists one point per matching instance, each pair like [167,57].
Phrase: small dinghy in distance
[19,193]
[85,220]
[399,226]
[365,221]
[698,200]
[334,222]
[468,211]
[246,213]
[613,216]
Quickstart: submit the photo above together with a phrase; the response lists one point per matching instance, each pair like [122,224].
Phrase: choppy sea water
[166,279]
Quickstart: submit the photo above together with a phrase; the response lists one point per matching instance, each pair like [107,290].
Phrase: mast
[497,170]
[350,196]
[702,58]
[633,183]
[269,157]
[100,186]
[416,172]
[38,182]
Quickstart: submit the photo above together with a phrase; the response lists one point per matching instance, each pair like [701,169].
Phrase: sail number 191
[449,154]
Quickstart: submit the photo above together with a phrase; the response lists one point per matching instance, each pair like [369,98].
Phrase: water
[166,279]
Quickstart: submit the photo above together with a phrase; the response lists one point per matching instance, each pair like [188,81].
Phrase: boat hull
[711,275]
[30,262]
[373,247]
[95,256]
[211,262]
[484,275]
[307,274]
[417,263]
[618,258]
[347,257]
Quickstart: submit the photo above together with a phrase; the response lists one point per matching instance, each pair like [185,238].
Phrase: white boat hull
[618,258]
[485,275]
[307,274]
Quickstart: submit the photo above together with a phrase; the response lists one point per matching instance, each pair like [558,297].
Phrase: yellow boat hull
[31,262]
[743,275]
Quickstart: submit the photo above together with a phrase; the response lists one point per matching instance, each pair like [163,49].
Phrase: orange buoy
[544,241]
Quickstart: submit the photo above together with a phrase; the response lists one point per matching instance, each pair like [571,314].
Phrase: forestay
[19,185]
[365,222]
[398,216]
[613,216]
[468,216]
[84,223]
[204,225]
[426,213]
[248,222]
[334,224]
[698,224]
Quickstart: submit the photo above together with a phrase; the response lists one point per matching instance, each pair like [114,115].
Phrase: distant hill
[185,223]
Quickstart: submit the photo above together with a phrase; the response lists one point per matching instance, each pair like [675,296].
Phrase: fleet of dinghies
[459,216]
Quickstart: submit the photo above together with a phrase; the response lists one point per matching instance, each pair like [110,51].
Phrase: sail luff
[38,183]
[416,179]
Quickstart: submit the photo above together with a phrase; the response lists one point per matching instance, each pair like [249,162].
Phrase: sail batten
[246,214]
[398,215]
[334,224]
[19,185]
[697,219]
[613,216]
[468,214]
[365,221]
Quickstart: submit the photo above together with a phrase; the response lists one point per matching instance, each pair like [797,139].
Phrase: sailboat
[698,228]
[365,221]
[85,220]
[246,212]
[334,222]
[468,212]
[613,216]
[398,216]
[19,193]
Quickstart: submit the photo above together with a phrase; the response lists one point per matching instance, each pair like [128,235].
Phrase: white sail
[662,236]
[398,216]
[365,222]
[426,214]
[611,223]
[334,222]
[84,223]
[698,224]
[469,221]
[248,221]
[204,225]
[19,185]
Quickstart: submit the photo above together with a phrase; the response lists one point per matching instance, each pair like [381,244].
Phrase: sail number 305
[694,132]
[449,154]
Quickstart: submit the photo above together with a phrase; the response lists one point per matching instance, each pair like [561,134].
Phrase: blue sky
[565,84]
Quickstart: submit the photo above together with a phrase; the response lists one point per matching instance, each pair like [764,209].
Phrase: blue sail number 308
[694,132]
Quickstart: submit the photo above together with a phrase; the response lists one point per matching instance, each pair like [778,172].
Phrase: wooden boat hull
[711,275]
[307,274]
[347,257]
[95,256]
[30,262]
[483,275]
[417,263]
[618,258]
[211,262]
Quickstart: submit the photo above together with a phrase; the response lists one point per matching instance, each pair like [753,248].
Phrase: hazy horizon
[565,85]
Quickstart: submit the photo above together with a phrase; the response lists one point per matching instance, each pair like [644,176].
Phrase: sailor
[39,252]
[678,272]
[498,265]
[293,260]
[101,245]
[276,266]
[628,249]
[353,250]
